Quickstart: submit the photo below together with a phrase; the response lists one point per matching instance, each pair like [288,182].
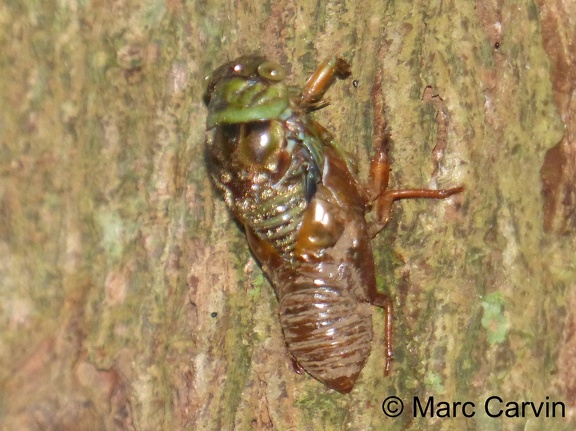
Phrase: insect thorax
[270,200]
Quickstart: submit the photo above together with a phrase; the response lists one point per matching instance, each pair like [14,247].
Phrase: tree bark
[130,300]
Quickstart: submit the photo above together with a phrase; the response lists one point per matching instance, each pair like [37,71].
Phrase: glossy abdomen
[327,331]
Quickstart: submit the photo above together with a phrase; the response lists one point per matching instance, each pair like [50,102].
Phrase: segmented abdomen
[326,332]
[274,211]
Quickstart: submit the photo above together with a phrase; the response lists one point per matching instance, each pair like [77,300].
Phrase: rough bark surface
[128,297]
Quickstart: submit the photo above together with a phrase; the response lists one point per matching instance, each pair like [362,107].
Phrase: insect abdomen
[274,212]
[326,332]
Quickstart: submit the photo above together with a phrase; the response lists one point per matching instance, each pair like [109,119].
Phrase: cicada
[303,208]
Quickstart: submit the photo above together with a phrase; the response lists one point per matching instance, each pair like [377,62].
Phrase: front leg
[321,80]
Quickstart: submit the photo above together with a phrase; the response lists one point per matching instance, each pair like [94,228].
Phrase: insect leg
[321,80]
[376,298]
[378,183]
[377,190]
[387,198]
[384,301]
[379,174]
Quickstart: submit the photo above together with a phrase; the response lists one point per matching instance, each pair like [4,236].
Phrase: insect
[303,208]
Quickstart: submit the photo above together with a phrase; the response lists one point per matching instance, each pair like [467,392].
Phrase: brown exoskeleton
[304,210]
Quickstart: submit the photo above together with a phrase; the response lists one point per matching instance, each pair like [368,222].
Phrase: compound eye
[272,71]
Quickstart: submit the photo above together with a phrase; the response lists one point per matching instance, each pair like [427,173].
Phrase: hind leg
[367,272]
[384,301]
